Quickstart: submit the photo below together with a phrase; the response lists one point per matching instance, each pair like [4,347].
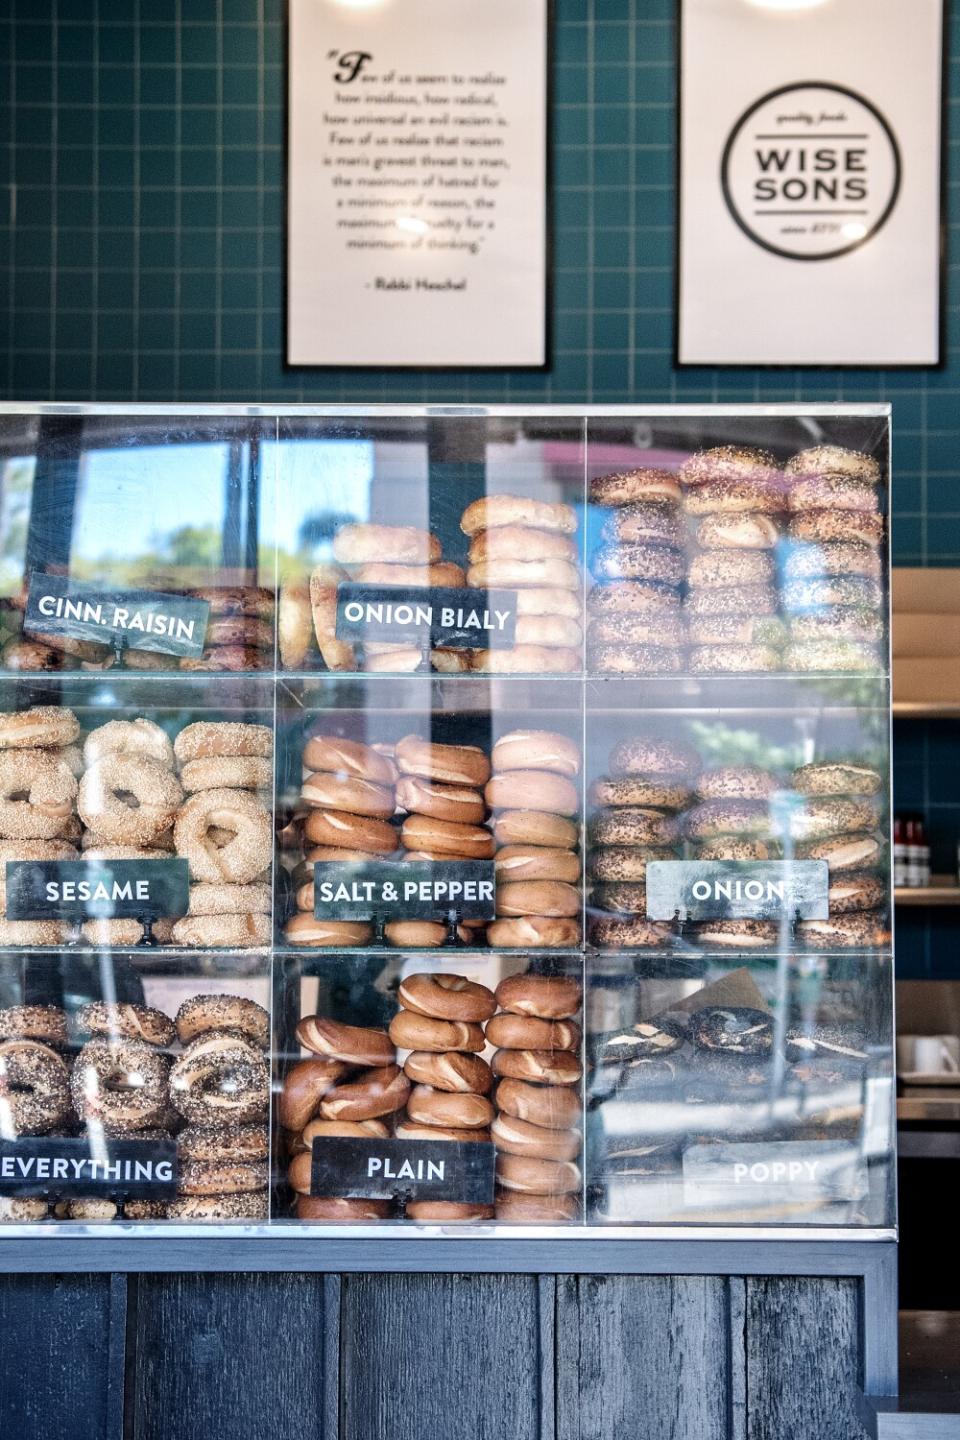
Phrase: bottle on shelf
[900,869]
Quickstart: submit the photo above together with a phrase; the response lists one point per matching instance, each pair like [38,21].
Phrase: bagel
[446,997]
[348,757]
[494,511]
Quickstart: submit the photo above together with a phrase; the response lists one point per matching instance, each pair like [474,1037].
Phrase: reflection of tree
[16,477]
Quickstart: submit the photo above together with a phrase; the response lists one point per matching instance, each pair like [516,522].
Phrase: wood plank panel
[644,1357]
[56,1379]
[449,1357]
[238,1356]
[803,1358]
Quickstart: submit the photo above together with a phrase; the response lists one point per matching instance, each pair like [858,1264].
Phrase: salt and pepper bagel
[379,1091]
[534,827]
[529,1032]
[304,1087]
[446,997]
[348,757]
[452,1110]
[442,802]
[50,790]
[304,929]
[353,1044]
[348,792]
[245,856]
[206,738]
[533,932]
[129,737]
[536,750]
[551,997]
[549,898]
[494,511]
[420,934]
[341,830]
[409,1031]
[533,790]
[450,764]
[556,1107]
[536,862]
[423,832]
[451,1070]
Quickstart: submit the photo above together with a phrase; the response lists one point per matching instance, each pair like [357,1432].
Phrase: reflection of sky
[129,499]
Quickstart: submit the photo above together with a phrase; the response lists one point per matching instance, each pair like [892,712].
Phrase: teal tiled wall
[141,148]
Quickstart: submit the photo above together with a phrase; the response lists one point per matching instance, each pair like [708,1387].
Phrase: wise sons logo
[811,171]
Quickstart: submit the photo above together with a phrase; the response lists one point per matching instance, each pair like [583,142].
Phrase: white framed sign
[810,189]
[416,205]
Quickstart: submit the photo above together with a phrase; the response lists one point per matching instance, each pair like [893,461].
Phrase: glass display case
[430,818]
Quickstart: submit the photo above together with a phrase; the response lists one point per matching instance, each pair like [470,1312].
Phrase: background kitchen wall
[142,152]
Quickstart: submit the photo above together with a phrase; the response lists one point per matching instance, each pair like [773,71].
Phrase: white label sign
[417,183]
[810,182]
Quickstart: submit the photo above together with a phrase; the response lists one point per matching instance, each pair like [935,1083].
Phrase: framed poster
[416,206]
[810,182]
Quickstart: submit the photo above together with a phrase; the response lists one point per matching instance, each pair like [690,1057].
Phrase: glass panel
[161,504]
[455,503]
[739,990]
[623,759]
[382,1062]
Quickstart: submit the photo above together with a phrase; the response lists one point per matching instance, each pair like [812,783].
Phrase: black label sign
[426,616]
[42,1165]
[415,1169]
[737,889]
[97,889]
[135,619]
[423,890]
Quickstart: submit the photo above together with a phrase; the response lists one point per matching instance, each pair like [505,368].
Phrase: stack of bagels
[440,1027]
[739,498]
[371,555]
[349,1087]
[527,545]
[635,624]
[636,820]
[348,789]
[536,804]
[204,797]
[537,1127]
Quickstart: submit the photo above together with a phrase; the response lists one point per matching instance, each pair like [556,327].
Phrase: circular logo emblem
[811,171]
